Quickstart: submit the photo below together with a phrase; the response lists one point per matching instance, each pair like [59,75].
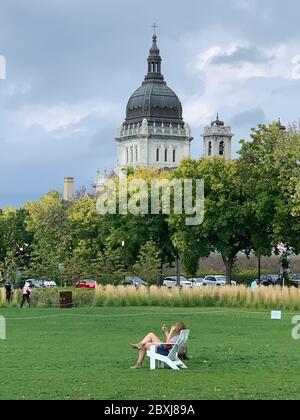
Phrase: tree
[225,228]
[136,230]
[15,242]
[269,166]
[148,265]
[89,231]
[47,221]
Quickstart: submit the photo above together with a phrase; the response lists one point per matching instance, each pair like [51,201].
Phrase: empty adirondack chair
[172,360]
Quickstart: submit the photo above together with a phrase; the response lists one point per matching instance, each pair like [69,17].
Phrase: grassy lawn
[85,354]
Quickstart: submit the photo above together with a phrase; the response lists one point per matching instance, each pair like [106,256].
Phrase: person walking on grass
[26,294]
[162,348]
[8,291]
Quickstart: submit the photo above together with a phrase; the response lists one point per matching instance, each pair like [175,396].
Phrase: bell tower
[217,139]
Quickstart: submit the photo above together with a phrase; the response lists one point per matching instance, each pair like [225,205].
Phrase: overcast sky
[73,64]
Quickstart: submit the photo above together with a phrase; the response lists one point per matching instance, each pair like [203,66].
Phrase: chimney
[69,189]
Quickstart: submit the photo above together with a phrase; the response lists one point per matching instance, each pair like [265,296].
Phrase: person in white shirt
[26,294]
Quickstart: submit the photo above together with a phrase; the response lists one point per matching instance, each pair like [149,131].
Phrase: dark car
[134,281]
[295,280]
[270,280]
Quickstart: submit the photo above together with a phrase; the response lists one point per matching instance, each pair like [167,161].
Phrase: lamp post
[124,255]
[178,268]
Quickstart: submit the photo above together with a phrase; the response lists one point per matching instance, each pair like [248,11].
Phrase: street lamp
[178,268]
[124,255]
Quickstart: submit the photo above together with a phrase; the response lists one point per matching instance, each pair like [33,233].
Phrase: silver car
[197,282]
[172,282]
[213,281]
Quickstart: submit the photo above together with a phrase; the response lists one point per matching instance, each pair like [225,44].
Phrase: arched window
[157,155]
[174,156]
[131,152]
[222,148]
[127,155]
[209,148]
[136,154]
[166,155]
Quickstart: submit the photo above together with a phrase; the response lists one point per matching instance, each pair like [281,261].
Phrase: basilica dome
[154,100]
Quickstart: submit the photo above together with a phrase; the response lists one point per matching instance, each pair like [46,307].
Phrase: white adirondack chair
[172,360]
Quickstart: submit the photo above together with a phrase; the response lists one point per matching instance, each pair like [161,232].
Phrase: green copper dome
[154,100]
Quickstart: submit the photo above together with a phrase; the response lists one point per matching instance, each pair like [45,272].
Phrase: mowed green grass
[85,354]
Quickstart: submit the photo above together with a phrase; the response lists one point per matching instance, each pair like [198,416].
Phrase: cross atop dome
[154,26]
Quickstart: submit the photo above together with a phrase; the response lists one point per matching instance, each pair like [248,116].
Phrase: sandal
[136,346]
[136,367]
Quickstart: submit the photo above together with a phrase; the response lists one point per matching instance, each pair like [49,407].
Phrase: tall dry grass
[15,300]
[227,297]
[231,297]
[2,297]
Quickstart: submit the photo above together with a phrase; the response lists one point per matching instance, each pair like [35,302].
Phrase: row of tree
[251,205]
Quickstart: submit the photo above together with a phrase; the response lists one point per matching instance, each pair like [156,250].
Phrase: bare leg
[151,338]
[142,354]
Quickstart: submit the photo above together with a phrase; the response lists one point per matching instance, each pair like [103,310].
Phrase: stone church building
[154,133]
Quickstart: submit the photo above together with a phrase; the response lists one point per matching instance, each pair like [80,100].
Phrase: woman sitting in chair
[162,348]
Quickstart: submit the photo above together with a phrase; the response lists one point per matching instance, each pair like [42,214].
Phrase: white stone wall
[137,146]
[143,152]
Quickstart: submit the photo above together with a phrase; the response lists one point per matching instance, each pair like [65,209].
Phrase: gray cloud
[71,53]
[249,118]
[241,55]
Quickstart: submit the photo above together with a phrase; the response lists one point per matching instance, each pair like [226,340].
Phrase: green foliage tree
[225,227]
[270,170]
[48,222]
[15,242]
[136,230]
[149,262]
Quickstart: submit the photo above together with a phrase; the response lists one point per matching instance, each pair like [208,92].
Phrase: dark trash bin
[66,300]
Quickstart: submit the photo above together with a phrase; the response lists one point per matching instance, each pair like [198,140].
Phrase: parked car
[36,284]
[294,280]
[50,284]
[86,284]
[172,282]
[270,280]
[213,281]
[197,282]
[134,281]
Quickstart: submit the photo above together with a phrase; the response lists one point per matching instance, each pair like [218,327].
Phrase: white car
[213,281]
[197,282]
[50,284]
[172,282]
